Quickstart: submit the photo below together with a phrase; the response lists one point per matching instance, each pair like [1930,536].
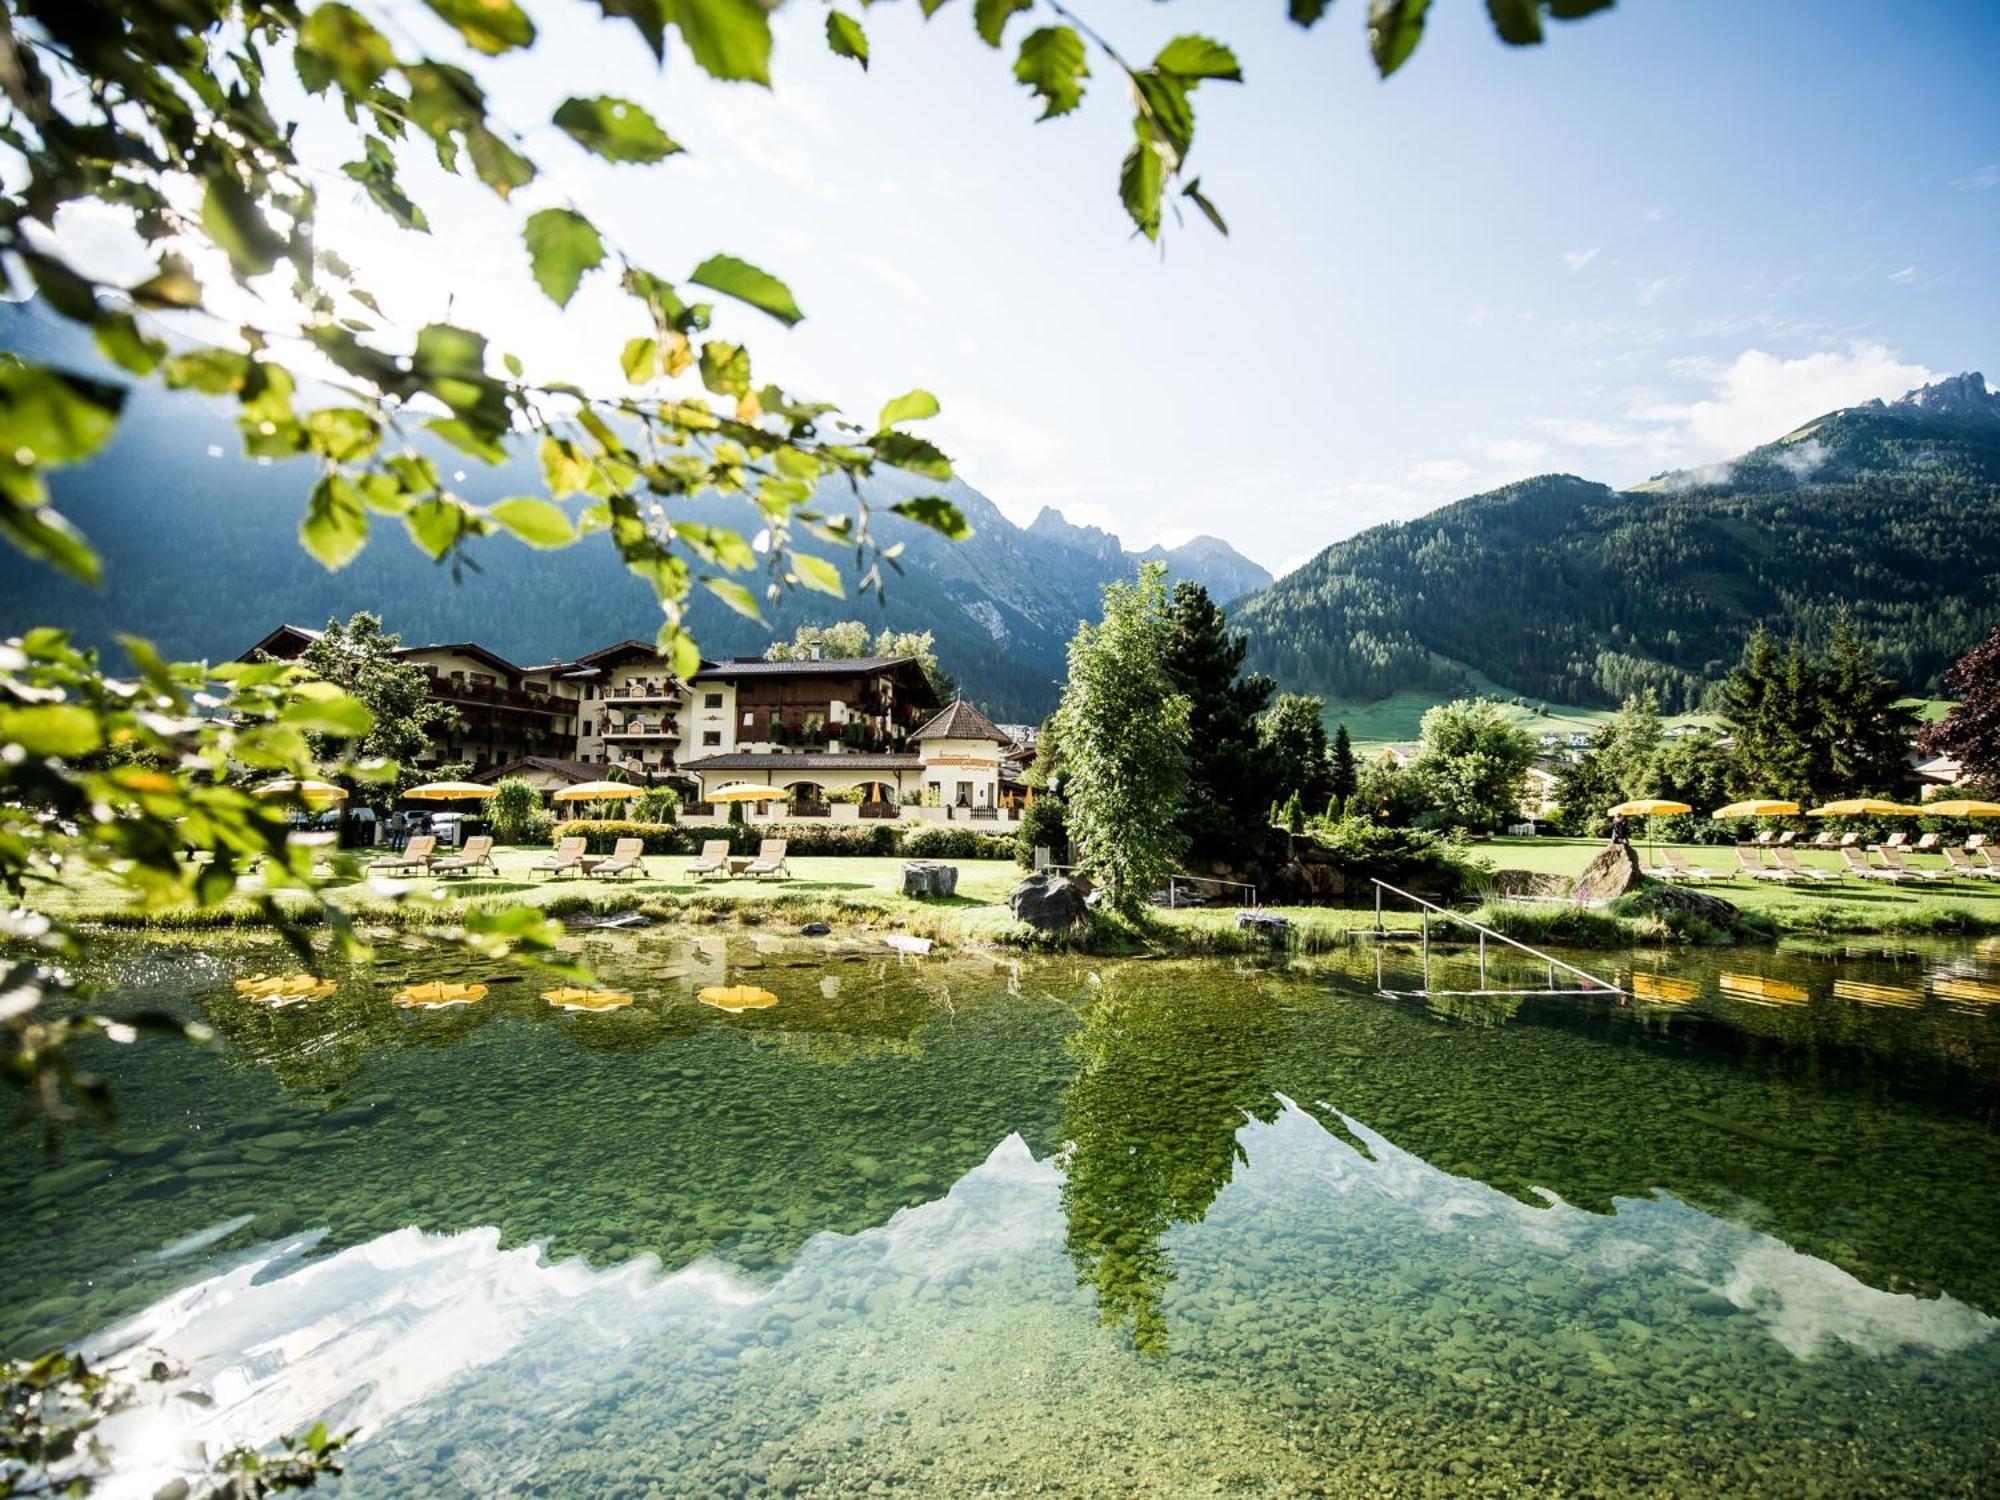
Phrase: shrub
[1042,824]
[812,840]
[932,842]
[1363,849]
[515,809]
[657,804]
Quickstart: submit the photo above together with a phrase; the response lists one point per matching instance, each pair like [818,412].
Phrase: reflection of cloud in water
[392,1334]
[365,1336]
[1804,1302]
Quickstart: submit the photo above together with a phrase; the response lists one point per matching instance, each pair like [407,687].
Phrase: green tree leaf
[120,340]
[48,418]
[562,245]
[536,522]
[1519,22]
[51,729]
[336,44]
[845,38]
[1209,211]
[233,222]
[911,406]
[336,525]
[1394,29]
[936,512]
[640,360]
[616,129]
[816,573]
[322,708]
[990,17]
[1140,181]
[736,596]
[1308,12]
[743,281]
[1198,57]
[490,26]
[729,39]
[1051,63]
[912,453]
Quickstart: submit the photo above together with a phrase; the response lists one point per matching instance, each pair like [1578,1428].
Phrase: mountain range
[1559,589]
[201,555]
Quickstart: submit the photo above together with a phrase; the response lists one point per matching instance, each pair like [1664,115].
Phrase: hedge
[816,839]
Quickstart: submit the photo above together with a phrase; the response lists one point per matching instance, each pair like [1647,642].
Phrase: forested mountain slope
[1572,592]
[201,554]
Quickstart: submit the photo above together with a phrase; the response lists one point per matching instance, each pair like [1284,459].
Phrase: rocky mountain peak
[1962,395]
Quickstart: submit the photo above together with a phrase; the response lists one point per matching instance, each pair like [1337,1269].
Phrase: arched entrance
[807,799]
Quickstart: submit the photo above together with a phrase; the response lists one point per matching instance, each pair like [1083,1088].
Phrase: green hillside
[1563,591]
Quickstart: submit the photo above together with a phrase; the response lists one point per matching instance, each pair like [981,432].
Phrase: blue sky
[1678,229]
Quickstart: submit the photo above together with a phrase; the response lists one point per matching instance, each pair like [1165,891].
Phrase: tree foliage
[1226,796]
[1473,766]
[358,657]
[1817,725]
[1292,750]
[1971,731]
[1124,732]
[846,639]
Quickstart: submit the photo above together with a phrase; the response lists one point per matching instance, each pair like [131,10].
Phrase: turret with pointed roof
[961,721]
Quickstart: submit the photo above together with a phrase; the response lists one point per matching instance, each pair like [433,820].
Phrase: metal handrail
[1596,984]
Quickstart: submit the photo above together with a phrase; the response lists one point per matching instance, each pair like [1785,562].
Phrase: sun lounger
[1976,841]
[1823,840]
[1785,839]
[713,860]
[1893,841]
[627,856]
[1789,863]
[415,856]
[476,855]
[1926,845]
[1849,840]
[1755,867]
[1893,858]
[1679,869]
[1763,840]
[567,858]
[770,860]
[1964,864]
[1981,853]
[1857,864]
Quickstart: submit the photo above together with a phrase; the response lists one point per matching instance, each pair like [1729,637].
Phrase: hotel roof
[961,721]
[776,761]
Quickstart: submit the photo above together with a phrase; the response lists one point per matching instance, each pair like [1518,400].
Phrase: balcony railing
[667,731]
[643,692]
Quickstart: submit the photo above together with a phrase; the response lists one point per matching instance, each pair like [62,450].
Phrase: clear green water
[978,1226]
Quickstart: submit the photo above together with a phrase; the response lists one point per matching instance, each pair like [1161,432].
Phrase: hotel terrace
[858,737]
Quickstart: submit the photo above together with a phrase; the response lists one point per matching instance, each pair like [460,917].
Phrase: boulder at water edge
[1609,876]
[1050,903]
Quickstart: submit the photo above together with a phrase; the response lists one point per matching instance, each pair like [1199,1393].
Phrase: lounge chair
[1964,864]
[627,855]
[714,859]
[1893,859]
[1926,845]
[1679,869]
[1763,840]
[1981,853]
[1786,838]
[1976,841]
[1788,861]
[1823,840]
[770,860]
[476,855]
[567,858]
[1755,867]
[416,856]
[1857,864]
[1893,841]
[1849,840]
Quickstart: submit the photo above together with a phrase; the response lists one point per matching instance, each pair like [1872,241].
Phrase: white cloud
[1440,471]
[1905,276]
[1763,396]
[1576,260]
[1515,451]
[1984,180]
[1653,290]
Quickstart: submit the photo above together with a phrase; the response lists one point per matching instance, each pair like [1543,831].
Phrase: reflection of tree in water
[1167,1077]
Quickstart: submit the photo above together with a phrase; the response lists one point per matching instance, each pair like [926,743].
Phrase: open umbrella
[1756,809]
[598,791]
[1962,808]
[1649,808]
[449,791]
[1864,807]
[317,793]
[744,791]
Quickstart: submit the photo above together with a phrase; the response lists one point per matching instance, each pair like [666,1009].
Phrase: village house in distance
[848,737]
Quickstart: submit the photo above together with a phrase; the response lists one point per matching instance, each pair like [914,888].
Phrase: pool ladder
[1591,985]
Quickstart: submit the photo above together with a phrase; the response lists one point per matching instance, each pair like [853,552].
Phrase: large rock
[1609,876]
[929,880]
[1050,903]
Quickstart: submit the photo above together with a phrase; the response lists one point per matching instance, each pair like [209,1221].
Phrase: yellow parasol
[1962,808]
[743,791]
[317,793]
[449,791]
[1649,808]
[1864,807]
[598,791]
[1757,809]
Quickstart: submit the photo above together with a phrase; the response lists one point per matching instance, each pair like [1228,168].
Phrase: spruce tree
[1205,662]
[1342,769]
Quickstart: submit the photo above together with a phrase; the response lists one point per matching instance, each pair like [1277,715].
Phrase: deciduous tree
[1292,752]
[1971,731]
[1472,767]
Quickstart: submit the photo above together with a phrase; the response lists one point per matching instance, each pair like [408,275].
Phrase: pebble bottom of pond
[980,1225]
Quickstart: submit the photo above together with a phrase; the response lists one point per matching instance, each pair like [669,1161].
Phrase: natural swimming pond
[982,1225]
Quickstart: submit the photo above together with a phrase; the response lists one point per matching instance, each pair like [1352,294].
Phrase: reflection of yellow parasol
[1900,996]
[315,793]
[285,989]
[569,997]
[744,791]
[1864,807]
[450,791]
[1962,808]
[1758,989]
[1664,988]
[1756,809]
[433,996]
[736,998]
